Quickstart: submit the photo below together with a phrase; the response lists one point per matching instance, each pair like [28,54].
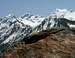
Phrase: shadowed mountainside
[40,35]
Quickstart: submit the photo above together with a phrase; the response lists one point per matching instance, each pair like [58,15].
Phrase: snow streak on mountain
[13,28]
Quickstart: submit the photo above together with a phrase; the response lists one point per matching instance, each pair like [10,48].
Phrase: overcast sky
[35,7]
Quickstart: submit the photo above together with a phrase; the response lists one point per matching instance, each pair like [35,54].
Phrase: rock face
[58,45]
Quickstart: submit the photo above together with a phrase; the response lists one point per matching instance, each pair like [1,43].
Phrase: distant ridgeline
[28,27]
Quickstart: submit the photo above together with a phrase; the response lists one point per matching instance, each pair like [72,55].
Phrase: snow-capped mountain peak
[13,28]
[64,13]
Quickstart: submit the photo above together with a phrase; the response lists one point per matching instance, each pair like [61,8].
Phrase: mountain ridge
[13,28]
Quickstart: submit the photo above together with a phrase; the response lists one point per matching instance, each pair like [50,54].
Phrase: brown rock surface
[59,45]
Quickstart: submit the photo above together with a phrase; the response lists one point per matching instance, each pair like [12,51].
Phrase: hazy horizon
[38,7]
